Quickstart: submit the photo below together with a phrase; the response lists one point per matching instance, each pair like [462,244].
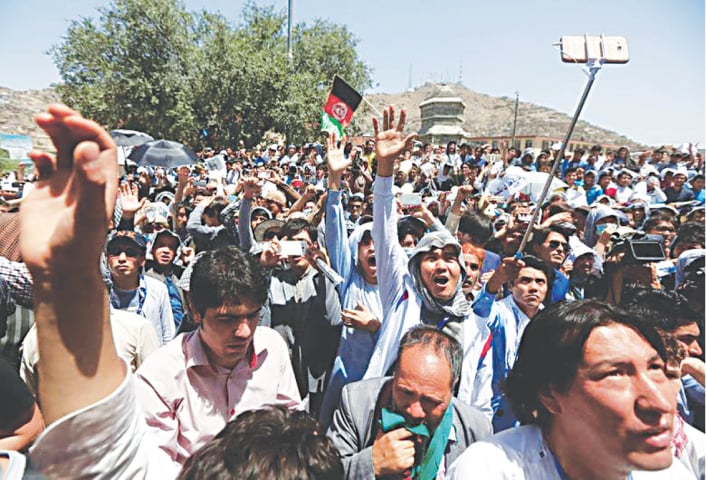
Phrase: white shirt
[522,454]
[133,335]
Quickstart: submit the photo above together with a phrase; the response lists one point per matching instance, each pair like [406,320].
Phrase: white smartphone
[292,248]
[581,48]
[411,200]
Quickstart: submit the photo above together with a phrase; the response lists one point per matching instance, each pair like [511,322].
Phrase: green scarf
[435,448]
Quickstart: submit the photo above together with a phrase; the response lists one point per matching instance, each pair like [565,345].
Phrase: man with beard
[408,426]
[353,258]
[528,279]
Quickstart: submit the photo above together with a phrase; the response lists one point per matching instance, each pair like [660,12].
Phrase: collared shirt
[507,324]
[151,300]
[187,401]
[18,279]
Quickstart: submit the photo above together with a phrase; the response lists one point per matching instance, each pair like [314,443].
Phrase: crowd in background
[343,251]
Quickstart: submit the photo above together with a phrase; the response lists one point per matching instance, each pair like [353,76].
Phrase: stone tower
[442,117]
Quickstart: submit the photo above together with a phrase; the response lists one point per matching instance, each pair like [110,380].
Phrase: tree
[149,65]
[130,69]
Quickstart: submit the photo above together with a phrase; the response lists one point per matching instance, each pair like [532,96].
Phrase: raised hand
[252,188]
[63,228]
[390,142]
[65,217]
[336,161]
[129,199]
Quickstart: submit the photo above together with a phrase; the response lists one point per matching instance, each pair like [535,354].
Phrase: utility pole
[290,56]
[514,123]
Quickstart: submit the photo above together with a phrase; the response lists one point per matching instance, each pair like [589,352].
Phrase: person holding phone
[304,307]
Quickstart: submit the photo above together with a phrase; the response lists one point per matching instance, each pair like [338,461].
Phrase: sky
[494,47]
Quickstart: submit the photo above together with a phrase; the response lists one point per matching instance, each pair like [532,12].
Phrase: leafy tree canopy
[150,65]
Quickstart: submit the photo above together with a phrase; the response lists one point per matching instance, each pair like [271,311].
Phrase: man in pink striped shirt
[193,386]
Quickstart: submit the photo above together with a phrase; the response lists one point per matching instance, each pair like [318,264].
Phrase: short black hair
[296,225]
[690,232]
[215,208]
[552,348]
[538,264]
[477,226]
[227,274]
[272,443]
[659,217]
[664,309]
[539,236]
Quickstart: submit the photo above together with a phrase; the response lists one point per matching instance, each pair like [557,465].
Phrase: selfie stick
[593,67]
[328,272]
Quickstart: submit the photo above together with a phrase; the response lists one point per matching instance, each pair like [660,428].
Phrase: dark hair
[538,264]
[552,349]
[658,217]
[558,207]
[297,225]
[663,309]
[441,342]
[272,443]
[215,208]
[540,236]
[410,226]
[227,274]
[477,226]
[689,232]
[571,169]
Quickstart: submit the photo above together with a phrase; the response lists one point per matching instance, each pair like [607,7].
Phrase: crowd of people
[385,310]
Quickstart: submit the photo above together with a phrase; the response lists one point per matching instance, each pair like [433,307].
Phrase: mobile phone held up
[292,248]
[582,48]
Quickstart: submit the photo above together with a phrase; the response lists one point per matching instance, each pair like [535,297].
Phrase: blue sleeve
[337,238]
[560,287]
[483,304]
[247,239]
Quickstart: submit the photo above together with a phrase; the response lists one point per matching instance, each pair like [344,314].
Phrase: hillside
[484,115]
[488,115]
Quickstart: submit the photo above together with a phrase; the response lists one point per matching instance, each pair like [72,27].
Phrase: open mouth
[441,280]
[371,261]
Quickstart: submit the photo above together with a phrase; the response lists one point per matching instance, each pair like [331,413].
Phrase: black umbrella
[130,138]
[162,153]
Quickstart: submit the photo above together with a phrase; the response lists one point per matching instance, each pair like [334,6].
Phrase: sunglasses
[556,244]
[116,250]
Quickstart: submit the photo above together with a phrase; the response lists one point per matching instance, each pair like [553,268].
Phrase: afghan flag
[340,105]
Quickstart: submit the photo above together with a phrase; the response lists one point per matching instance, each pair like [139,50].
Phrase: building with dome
[442,117]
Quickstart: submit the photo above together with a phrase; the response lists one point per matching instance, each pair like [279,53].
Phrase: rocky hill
[484,115]
[17,110]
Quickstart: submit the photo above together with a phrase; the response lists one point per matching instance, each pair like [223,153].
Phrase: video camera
[638,248]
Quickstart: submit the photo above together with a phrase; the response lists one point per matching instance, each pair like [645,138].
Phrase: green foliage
[6,164]
[149,65]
